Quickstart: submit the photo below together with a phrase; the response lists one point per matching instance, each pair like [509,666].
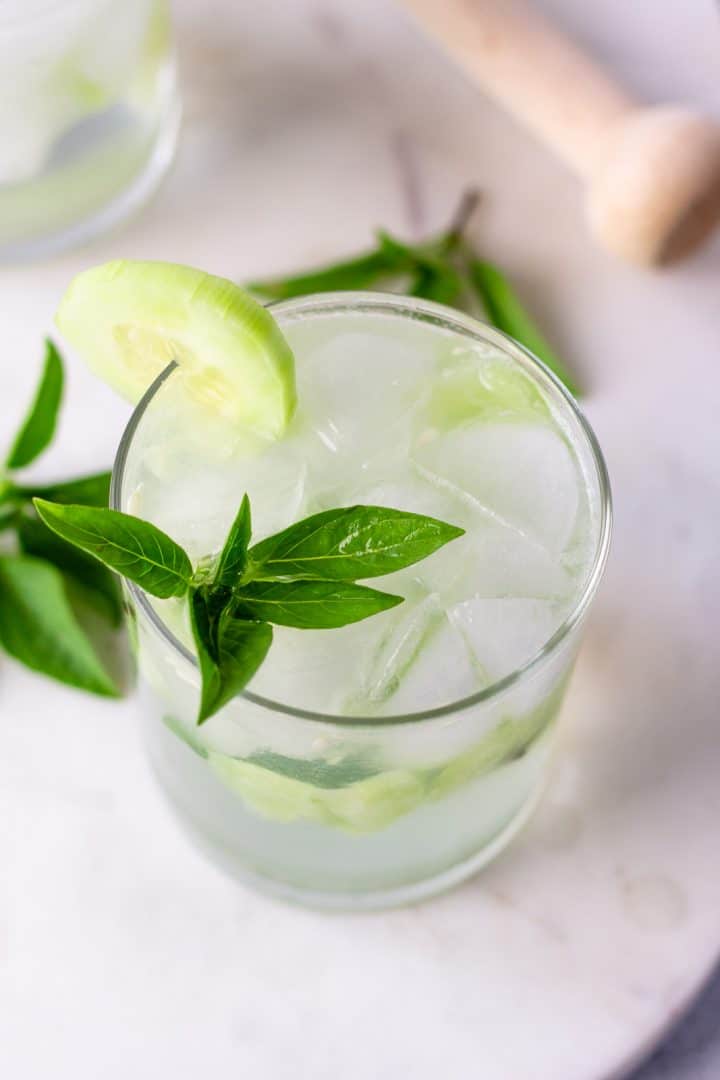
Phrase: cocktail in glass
[381,762]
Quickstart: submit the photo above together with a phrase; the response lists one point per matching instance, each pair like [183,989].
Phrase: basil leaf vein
[129,546]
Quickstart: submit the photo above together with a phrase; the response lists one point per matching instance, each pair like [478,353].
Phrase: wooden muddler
[652,173]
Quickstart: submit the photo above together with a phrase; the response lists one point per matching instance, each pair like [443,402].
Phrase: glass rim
[469,326]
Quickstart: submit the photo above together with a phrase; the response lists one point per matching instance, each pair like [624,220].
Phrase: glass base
[48,216]
[377,900]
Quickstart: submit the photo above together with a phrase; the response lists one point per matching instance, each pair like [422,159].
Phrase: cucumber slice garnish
[128,320]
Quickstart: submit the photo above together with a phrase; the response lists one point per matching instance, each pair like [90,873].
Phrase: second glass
[89,117]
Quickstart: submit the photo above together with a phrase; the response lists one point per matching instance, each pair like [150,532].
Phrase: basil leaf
[229,653]
[233,556]
[202,624]
[131,547]
[504,310]
[9,505]
[8,516]
[358,273]
[417,257]
[348,543]
[37,626]
[93,490]
[8,491]
[434,277]
[443,285]
[311,605]
[101,588]
[397,252]
[37,431]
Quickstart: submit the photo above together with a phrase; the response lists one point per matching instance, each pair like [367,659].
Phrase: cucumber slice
[128,320]
[362,807]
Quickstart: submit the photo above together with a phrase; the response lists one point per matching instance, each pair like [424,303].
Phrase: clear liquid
[398,413]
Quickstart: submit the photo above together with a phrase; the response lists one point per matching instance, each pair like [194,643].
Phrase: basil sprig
[444,269]
[47,586]
[305,576]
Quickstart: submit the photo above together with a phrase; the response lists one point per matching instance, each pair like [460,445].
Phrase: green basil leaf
[310,605]
[131,547]
[358,273]
[233,556]
[434,276]
[229,653]
[101,588]
[8,491]
[397,252]
[505,311]
[93,490]
[203,624]
[38,429]
[9,504]
[38,627]
[349,543]
[412,257]
[443,285]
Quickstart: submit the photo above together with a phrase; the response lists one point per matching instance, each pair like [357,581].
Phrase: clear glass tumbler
[359,811]
[89,116]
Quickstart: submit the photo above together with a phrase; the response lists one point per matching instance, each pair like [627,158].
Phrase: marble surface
[121,952]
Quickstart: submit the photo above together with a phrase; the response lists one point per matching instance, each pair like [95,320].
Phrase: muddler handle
[652,172]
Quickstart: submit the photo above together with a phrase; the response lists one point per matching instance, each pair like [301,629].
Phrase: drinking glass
[355,811]
[89,115]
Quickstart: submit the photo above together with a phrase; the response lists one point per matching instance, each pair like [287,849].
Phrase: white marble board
[121,952]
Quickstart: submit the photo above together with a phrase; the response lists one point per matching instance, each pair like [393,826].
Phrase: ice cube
[515,474]
[275,488]
[503,634]
[403,488]
[314,669]
[419,662]
[275,484]
[491,560]
[357,403]
[476,381]
[176,471]
[494,561]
